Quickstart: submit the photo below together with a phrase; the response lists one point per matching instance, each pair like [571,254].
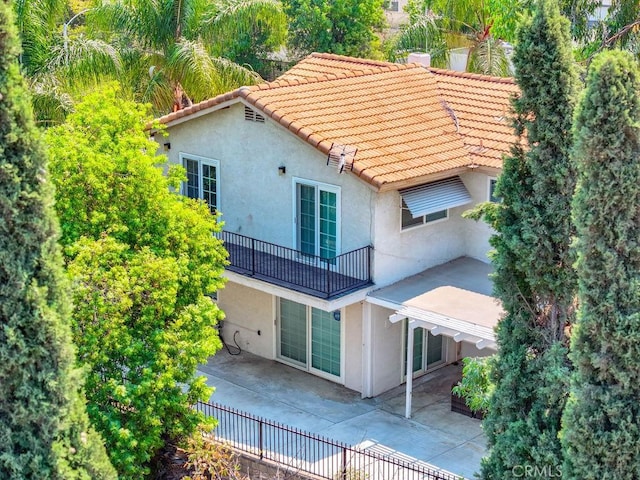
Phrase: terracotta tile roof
[482,106]
[409,124]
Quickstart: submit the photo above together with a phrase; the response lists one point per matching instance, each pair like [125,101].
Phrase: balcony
[289,268]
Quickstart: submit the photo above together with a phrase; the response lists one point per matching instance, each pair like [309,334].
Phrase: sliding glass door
[428,350]
[310,338]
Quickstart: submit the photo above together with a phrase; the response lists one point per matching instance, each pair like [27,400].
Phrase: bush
[476,386]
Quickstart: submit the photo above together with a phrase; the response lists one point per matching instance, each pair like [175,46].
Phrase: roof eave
[415,181]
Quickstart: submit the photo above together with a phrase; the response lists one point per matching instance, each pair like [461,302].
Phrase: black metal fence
[312,274]
[299,451]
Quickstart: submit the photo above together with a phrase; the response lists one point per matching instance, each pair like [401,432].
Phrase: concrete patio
[434,434]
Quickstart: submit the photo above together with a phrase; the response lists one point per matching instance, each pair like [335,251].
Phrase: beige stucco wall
[470,350]
[401,253]
[247,311]
[255,200]
[353,347]
[478,233]
[387,350]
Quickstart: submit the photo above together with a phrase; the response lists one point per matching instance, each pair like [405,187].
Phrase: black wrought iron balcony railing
[311,274]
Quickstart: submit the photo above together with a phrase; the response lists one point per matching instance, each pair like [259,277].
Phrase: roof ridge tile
[473,76]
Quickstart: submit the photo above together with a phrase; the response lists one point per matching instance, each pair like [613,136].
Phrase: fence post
[343,470]
[260,424]
[328,279]
[253,256]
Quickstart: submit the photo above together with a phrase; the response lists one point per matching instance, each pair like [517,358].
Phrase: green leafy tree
[249,36]
[475,387]
[619,29]
[534,277]
[142,259]
[601,432]
[44,428]
[343,27]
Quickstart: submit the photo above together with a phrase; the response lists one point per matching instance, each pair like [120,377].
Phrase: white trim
[318,186]
[386,304]
[206,111]
[424,222]
[409,388]
[321,303]
[206,161]
[449,326]
[275,311]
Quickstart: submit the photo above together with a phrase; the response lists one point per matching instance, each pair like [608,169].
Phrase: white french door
[317,213]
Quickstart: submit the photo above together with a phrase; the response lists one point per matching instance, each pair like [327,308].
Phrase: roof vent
[341,157]
[251,115]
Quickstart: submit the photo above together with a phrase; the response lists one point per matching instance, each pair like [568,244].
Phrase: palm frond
[189,64]
[231,18]
[51,102]
[423,34]
[230,75]
[157,91]
[85,60]
[489,58]
[37,22]
[203,76]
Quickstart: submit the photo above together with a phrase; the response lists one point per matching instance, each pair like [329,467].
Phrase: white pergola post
[409,387]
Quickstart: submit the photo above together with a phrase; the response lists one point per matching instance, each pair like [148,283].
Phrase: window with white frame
[317,218]
[492,188]
[202,179]
[408,221]
[431,202]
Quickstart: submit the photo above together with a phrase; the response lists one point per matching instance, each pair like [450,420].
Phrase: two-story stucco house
[341,186]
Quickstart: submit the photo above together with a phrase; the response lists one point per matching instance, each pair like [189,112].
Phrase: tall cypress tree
[533,277]
[44,428]
[601,432]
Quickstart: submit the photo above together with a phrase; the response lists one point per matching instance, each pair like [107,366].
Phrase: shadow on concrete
[275,391]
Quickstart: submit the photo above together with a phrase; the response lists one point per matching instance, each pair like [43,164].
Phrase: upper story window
[430,202]
[492,188]
[393,7]
[408,221]
[202,179]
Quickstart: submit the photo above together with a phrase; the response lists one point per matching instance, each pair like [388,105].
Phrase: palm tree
[447,24]
[170,48]
[58,67]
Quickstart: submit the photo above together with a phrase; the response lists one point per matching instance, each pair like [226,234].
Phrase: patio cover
[453,299]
